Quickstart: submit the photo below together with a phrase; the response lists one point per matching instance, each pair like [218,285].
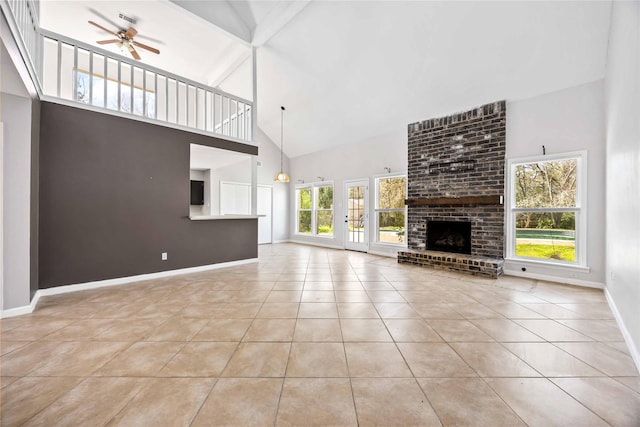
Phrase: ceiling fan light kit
[124,40]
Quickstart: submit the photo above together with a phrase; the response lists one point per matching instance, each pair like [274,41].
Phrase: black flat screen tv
[197,192]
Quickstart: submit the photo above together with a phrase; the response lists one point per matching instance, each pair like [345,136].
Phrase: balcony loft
[74,73]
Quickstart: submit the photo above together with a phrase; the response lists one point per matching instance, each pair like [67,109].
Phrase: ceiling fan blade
[133,51]
[130,33]
[107,41]
[144,46]
[103,28]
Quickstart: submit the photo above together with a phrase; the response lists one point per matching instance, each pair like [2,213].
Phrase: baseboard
[385,254]
[631,345]
[555,279]
[18,311]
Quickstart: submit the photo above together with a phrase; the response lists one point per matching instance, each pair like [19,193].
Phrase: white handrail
[76,72]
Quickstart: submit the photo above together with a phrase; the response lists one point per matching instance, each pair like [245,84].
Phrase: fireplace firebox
[449,236]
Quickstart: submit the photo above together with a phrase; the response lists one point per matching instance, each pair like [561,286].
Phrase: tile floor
[311,336]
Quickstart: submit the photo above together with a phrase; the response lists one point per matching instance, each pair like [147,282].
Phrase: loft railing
[66,69]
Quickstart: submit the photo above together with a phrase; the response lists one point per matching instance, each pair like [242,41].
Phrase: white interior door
[265,233]
[357,215]
[235,198]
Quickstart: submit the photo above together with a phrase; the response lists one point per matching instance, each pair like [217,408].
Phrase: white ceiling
[348,71]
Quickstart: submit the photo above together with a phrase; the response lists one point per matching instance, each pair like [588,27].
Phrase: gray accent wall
[114,195]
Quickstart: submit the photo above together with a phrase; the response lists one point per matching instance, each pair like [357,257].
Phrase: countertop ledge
[217,217]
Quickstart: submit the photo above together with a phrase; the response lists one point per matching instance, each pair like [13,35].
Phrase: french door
[357,215]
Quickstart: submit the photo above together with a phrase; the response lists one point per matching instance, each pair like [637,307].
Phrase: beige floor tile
[552,331]
[505,330]
[284,296]
[348,285]
[85,404]
[288,286]
[258,360]
[84,329]
[223,330]
[632,382]
[512,310]
[318,310]
[612,401]
[385,296]
[552,311]
[316,401]
[434,360]
[271,330]
[476,311]
[176,329]
[590,311]
[129,329]
[458,331]
[599,330]
[378,286]
[36,330]
[5,381]
[411,330]
[539,402]
[493,360]
[602,357]
[142,359]
[318,330]
[393,310]
[79,358]
[317,296]
[352,296]
[621,346]
[317,360]
[165,402]
[468,402]
[199,359]
[279,310]
[360,330]
[7,347]
[377,403]
[241,402]
[315,285]
[27,396]
[357,310]
[375,360]
[551,361]
[436,311]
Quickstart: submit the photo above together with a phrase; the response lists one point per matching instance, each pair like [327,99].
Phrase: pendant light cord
[281,137]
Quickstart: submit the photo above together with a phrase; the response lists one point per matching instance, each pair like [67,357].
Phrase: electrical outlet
[164,256]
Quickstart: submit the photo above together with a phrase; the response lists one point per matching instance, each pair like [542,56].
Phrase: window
[546,220]
[81,93]
[390,209]
[314,205]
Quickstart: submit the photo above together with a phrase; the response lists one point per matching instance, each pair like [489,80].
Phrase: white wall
[622,110]
[363,160]
[269,157]
[16,179]
[565,121]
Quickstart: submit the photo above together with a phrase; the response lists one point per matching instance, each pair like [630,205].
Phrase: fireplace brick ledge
[463,263]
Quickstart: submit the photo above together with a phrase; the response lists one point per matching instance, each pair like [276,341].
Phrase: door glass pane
[355,214]
[546,235]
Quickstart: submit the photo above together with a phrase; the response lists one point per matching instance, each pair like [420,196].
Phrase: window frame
[377,210]
[580,208]
[314,186]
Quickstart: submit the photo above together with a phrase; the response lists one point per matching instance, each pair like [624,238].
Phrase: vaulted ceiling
[348,71]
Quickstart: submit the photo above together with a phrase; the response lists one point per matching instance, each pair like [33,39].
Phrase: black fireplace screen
[449,236]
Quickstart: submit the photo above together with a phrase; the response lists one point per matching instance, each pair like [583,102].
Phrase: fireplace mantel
[455,201]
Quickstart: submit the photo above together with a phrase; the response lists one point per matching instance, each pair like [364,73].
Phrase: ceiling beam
[277,18]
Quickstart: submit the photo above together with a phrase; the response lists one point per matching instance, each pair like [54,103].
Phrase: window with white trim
[314,210]
[546,219]
[390,210]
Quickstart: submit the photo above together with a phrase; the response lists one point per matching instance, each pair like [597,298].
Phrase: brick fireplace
[455,177]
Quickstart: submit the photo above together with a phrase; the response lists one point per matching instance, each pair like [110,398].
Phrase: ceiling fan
[125,40]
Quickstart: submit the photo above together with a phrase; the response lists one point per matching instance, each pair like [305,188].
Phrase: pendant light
[281,176]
